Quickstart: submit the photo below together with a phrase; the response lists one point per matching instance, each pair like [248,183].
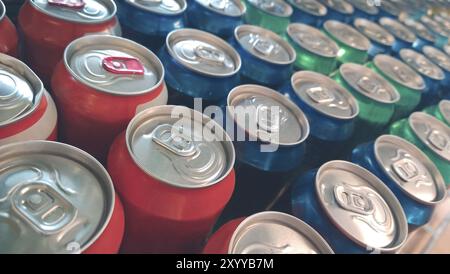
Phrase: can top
[418,28]
[271,232]
[421,64]
[54,198]
[20,90]
[399,72]
[374,32]
[265,44]
[446,49]
[339,6]
[232,8]
[163,7]
[309,6]
[180,147]
[438,57]
[364,6]
[324,95]
[347,35]
[274,7]
[390,7]
[361,206]
[410,169]
[444,108]
[369,83]
[79,11]
[397,29]
[432,132]
[277,120]
[312,40]
[433,25]
[202,52]
[113,65]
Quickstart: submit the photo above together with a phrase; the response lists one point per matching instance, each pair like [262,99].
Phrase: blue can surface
[404,37]
[267,58]
[364,9]
[380,39]
[309,12]
[351,208]
[407,171]
[339,10]
[219,17]
[149,22]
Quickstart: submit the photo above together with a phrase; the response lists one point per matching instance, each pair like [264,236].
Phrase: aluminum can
[48,26]
[404,37]
[441,34]
[273,15]
[364,9]
[315,50]
[27,111]
[57,199]
[389,9]
[308,12]
[351,208]
[441,59]
[267,232]
[8,34]
[173,180]
[424,36]
[339,10]
[114,79]
[267,58]
[441,111]
[381,41]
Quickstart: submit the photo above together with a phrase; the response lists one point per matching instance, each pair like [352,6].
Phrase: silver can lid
[421,64]
[364,6]
[274,7]
[324,95]
[361,206]
[313,40]
[418,28]
[54,198]
[347,35]
[114,65]
[271,232]
[432,132]
[79,11]
[390,8]
[369,83]
[444,108]
[341,6]
[399,72]
[433,25]
[20,90]
[438,57]
[398,29]
[163,7]
[310,6]
[232,8]
[265,44]
[203,52]
[275,118]
[374,31]
[180,147]
[410,169]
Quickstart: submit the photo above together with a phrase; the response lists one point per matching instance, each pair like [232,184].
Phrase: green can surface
[441,111]
[273,15]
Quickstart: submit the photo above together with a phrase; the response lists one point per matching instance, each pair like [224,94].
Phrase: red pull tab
[123,65]
[72,4]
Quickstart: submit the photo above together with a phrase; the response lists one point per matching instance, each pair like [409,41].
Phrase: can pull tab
[218,4]
[369,86]
[268,118]
[263,46]
[71,4]
[174,140]
[438,140]
[353,200]
[406,169]
[320,95]
[123,65]
[210,55]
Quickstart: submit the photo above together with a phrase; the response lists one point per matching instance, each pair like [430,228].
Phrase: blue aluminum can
[351,208]
[424,36]
[364,9]
[219,17]
[149,22]
[441,34]
[443,61]
[199,65]
[407,171]
[380,39]
[267,58]
[404,37]
[309,12]
[339,10]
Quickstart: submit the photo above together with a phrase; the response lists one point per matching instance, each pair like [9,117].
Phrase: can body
[259,17]
[377,48]
[219,242]
[436,112]
[8,37]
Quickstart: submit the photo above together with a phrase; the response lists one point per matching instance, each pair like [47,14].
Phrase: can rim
[78,155]
[242,8]
[33,79]
[360,22]
[398,25]
[166,110]
[348,8]
[282,218]
[110,3]
[373,10]
[390,8]
[2,10]
[322,8]
[183,8]
[380,187]
[427,50]
[363,46]
[439,73]
[431,167]
[287,14]
[267,92]
[126,43]
[259,30]
[444,114]
[316,31]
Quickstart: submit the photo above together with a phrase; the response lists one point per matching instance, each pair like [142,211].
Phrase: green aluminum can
[441,111]
[270,14]
[315,51]
[428,134]
[353,46]
[406,81]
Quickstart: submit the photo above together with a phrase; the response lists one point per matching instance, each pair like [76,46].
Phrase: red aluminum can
[8,34]
[174,184]
[27,111]
[56,198]
[267,232]
[48,26]
[100,85]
